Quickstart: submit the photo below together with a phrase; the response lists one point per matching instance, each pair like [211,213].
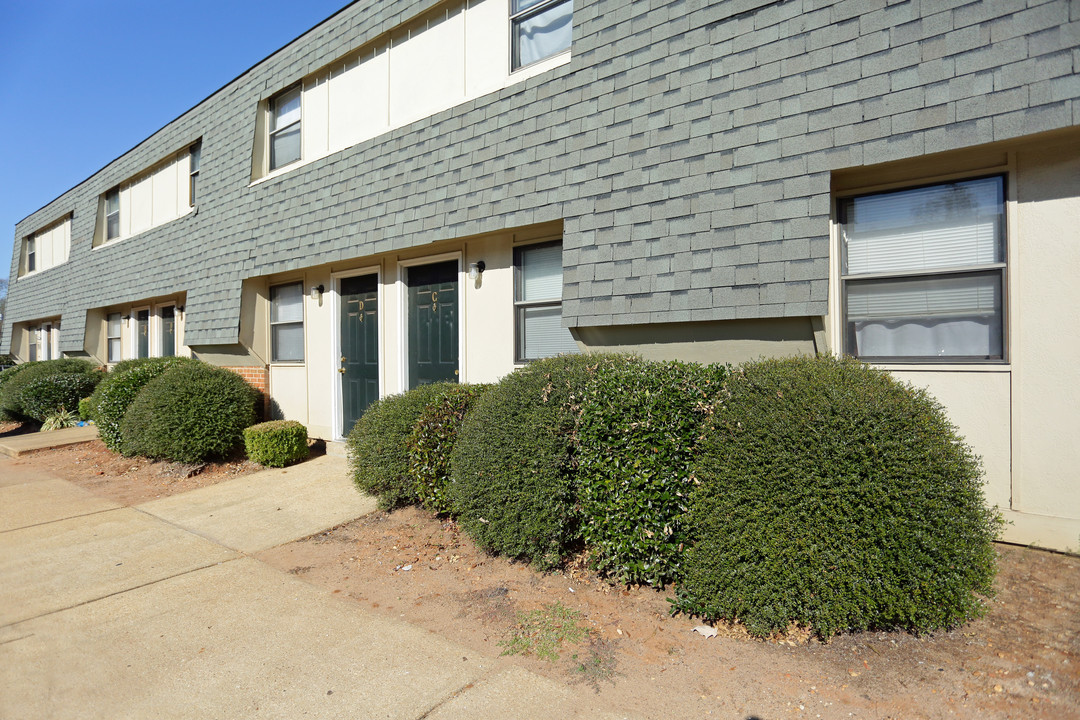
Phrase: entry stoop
[336,449]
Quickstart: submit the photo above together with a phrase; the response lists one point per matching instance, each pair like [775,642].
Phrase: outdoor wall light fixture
[316,292]
[476,269]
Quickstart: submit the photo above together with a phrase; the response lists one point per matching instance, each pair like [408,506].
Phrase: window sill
[975,366]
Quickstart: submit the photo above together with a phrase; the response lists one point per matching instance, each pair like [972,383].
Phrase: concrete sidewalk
[156,611]
[16,445]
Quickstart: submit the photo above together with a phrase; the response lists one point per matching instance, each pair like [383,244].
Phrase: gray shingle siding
[687,147]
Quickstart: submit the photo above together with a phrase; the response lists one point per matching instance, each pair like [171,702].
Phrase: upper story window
[112,214]
[285,128]
[194,159]
[287,323]
[923,272]
[539,29]
[538,286]
[46,248]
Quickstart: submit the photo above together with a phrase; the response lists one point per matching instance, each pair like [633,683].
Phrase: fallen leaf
[708,632]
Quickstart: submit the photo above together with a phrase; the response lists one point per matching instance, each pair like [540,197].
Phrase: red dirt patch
[135,480]
[1021,661]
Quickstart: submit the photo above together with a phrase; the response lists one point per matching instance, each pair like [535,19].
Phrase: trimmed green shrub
[431,441]
[377,450]
[86,409]
[189,413]
[12,395]
[834,497]
[637,430]
[511,468]
[48,395]
[276,443]
[117,391]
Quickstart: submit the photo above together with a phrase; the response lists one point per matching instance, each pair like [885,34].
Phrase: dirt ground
[135,480]
[1021,661]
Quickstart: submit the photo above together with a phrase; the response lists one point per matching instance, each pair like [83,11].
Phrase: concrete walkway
[16,445]
[157,611]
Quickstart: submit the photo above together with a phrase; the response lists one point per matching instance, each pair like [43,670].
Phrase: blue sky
[86,80]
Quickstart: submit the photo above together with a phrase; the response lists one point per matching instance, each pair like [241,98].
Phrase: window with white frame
[285,127]
[113,334]
[287,323]
[31,254]
[539,29]
[112,214]
[194,160]
[34,339]
[923,272]
[538,288]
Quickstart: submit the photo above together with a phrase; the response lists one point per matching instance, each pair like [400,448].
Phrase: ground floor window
[923,272]
[167,330]
[287,323]
[538,303]
[113,333]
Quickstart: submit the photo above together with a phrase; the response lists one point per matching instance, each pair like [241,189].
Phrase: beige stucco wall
[724,341]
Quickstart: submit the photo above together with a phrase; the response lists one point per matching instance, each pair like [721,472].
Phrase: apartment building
[415,191]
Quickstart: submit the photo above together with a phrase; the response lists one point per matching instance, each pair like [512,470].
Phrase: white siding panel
[62,242]
[427,70]
[45,250]
[487,47]
[125,211]
[163,194]
[359,100]
[142,203]
[314,122]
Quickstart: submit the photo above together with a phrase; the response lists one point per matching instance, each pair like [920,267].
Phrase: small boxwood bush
[13,397]
[189,413]
[511,468]
[117,391]
[51,394]
[431,441]
[637,430]
[834,497]
[276,443]
[377,445]
[86,411]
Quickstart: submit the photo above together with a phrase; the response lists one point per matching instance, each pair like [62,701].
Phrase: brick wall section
[258,377]
[687,146]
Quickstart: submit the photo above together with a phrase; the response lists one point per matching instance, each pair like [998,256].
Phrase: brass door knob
[341,370]
[342,358]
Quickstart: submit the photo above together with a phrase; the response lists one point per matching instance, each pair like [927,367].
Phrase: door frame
[403,314]
[334,294]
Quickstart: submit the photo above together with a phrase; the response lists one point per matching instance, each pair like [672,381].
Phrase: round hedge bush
[13,395]
[189,413]
[511,468]
[377,445]
[52,394]
[432,440]
[638,427]
[117,391]
[276,443]
[834,497]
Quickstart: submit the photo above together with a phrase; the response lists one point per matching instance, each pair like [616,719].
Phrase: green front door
[433,323]
[359,368]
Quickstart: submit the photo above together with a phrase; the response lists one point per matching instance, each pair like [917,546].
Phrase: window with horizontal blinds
[538,285]
[113,333]
[287,323]
[944,245]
